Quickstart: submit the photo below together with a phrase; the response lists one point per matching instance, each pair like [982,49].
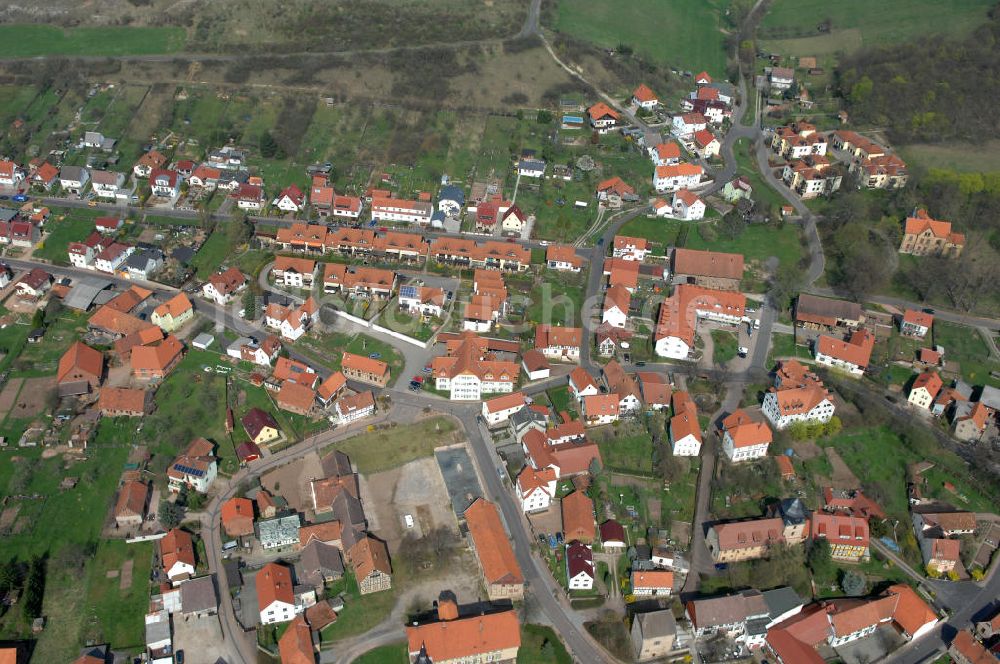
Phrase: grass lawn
[388,448]
[683,34]
[210,256]
[625,446]
[395,653]
[962,157]
[328,350]
[562,399]
[724,346]
[77,603]
[72,227]
[783,345]
[118,613]
[360,614]
[965,346]
[556,299]
[402,322]
[25,41]
[536,637]
[42,359]
[878,456]
[790,26]
[191,403]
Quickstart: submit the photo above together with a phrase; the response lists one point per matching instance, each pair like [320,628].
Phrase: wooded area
[938,90]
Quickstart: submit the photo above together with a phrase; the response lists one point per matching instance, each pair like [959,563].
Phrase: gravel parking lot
[199,638]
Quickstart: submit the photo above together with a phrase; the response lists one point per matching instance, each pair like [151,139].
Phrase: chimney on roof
[447,607]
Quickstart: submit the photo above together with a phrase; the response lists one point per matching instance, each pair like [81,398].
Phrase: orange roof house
[237,517]
[296,645]
[852,355]
[643,94]
[364,369]
[578,517]
[274,584]
[177,553]
[81,363]
[601,111]
[123,401]
[501,573]
[295,397]
[452,638]
[116,323]
[372,569]
[157,360]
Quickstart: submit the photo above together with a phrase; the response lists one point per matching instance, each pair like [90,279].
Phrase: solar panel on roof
[408,291]
[187,470]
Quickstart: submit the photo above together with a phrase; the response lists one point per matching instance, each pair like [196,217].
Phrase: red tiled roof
[857,350]
[492,544]
[643,93]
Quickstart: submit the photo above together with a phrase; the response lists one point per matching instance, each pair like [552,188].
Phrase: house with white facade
[686,206]
[498,409]
[743,439]
[165,183]
[222,287]
[536,488]
[851,355]
[354,407]
[275,594]
[531,168]
[112,257]
[617,301]
[107,184]
[582,384]
[73,179]
[470,370]
[798,395]
[686,124]
[291,199]
[421,300]
[559,343]
[678,176]
[395,209]
[579,566]
[685,430]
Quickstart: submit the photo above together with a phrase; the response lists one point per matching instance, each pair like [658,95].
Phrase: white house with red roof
[687,206]
[602,117]
[703,79]
[665,154]
[851,355]
[536,488]
[112,257]
[291,199]
[164,183]
[108,225]
[11,174]
[743,439]
[82,254]
[499,409]
[249,197]
[582,384]
[644,97]
[686,124]
[395,209]
[916,323]
[617,301]
[706,144]
[630,248]
[679,176]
